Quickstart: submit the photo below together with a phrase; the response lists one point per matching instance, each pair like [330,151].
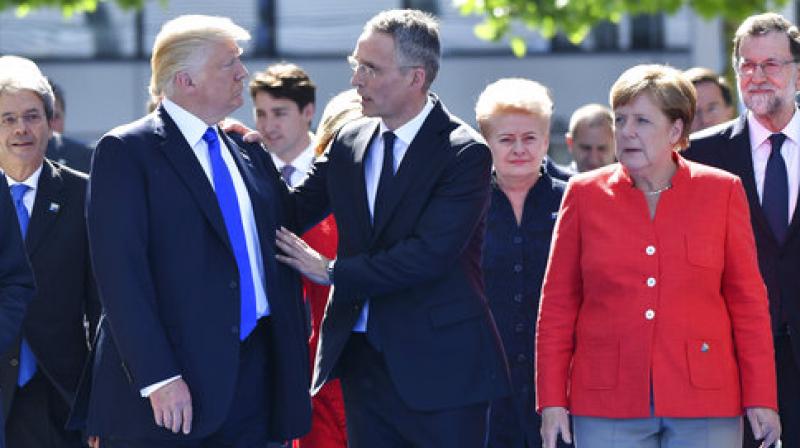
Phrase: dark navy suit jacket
[16,278]
[418,264]
[168,283]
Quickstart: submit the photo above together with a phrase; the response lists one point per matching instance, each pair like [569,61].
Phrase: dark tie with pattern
[27,362]
[387,174]
[775,200]
[229,205]
[286,174]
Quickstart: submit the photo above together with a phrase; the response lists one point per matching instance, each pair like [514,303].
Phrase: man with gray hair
[203,341]
[408,328]
[762,147]
[590,138]
[39,374]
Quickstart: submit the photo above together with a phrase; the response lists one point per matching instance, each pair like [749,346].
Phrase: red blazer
[676,302]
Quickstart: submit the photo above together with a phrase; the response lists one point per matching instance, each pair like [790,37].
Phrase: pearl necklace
[659,191]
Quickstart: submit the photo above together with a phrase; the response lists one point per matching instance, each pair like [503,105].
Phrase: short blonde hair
[181,45]
[670,90]
[513,95]
[340,110]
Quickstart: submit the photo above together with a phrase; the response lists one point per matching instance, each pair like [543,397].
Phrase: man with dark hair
[407,328]
[762,147]
[283,100]
[62,149]
[590,138]
[714,98]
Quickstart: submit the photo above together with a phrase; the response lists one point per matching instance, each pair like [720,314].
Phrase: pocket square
[54,207]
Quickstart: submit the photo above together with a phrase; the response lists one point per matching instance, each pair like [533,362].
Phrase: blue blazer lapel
[187,167]
[358,179]
[46,208]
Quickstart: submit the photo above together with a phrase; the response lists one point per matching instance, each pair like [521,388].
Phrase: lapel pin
[554,215]
[54,207]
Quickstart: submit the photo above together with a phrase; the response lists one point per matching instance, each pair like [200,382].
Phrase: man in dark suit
[408,328]
[62,149]
[203,341]
[762,148]
[16,278]
[39,374]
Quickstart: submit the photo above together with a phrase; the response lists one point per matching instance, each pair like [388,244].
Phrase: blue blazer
[16,278]
[168,283]
[418,264]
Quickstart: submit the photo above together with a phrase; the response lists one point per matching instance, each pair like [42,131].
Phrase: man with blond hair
[203,342]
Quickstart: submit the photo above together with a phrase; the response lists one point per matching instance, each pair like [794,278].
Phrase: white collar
[759,134]
[408,131]
[190,126]
[302,162]
[32,181]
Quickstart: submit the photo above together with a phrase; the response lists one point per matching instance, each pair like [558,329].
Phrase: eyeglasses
[11,121]
[770,67]
[360,69]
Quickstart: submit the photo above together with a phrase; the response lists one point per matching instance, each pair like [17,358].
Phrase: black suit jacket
[419,264]
[168,283]
[69,152]
[16,278]
[727,146]
[58,250]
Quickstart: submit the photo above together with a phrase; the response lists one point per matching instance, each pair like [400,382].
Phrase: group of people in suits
[189,242]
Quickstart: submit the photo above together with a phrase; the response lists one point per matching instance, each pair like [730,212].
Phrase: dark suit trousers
[377,416]
[37,417]
[245,426]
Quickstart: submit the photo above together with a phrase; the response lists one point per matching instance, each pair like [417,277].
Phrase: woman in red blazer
[653,325]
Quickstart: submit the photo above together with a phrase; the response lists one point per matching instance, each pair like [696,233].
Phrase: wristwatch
[329,270]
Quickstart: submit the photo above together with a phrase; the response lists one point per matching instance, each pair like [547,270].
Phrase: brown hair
[340,110]
[669,89]
[286,81]
[761,24]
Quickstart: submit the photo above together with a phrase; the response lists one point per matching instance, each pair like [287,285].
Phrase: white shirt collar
[190,126]
[302,162]
[408,131]
[32,181]
[759,134]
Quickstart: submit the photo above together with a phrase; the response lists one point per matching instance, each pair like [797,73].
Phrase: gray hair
[18,74]
[416,38]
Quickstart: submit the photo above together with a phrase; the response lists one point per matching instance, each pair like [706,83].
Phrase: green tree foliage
[68,7]
[575,18]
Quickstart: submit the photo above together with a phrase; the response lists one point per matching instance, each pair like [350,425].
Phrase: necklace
[659,191]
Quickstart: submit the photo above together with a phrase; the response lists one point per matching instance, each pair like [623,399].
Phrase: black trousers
[245,426]
[37,417]
[788,372]
[377,417]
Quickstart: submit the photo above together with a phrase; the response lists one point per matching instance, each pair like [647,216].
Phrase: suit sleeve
[447,225]
[117,219]
[562,294]
[16,277]
[746,299]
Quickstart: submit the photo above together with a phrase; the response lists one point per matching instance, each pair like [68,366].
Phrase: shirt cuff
[154,387]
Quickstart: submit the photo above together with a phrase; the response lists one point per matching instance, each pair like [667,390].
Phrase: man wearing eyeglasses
[763,148]
[407,329]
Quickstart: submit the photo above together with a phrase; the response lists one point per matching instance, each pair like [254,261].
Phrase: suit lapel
[361,144]
[419,158]
[741,164]
[47,206]
[187,167]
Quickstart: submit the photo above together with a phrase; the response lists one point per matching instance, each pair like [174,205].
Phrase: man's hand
[766,425]
[93,441]
[302,257]
[237,127]
[554,421]
[172,406]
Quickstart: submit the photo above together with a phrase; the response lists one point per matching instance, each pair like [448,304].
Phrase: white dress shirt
[193,129]
[372,172]
[761,149]
[302,163]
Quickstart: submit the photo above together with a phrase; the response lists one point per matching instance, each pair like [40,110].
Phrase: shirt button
[517,240]
[519,328]
[650,250]
[233,284]
[517,267]
[518,298]
[649,314]
[521,358]
[234,329]
[14,362]
[651,282]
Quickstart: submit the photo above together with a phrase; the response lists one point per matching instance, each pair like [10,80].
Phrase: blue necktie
[775,200]
[27,362]
[387,174]
[229,205]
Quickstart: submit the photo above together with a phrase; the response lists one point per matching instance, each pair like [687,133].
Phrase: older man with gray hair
[203,343]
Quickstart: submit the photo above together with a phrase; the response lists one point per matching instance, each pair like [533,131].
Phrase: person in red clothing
[654,326]
[328,428]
